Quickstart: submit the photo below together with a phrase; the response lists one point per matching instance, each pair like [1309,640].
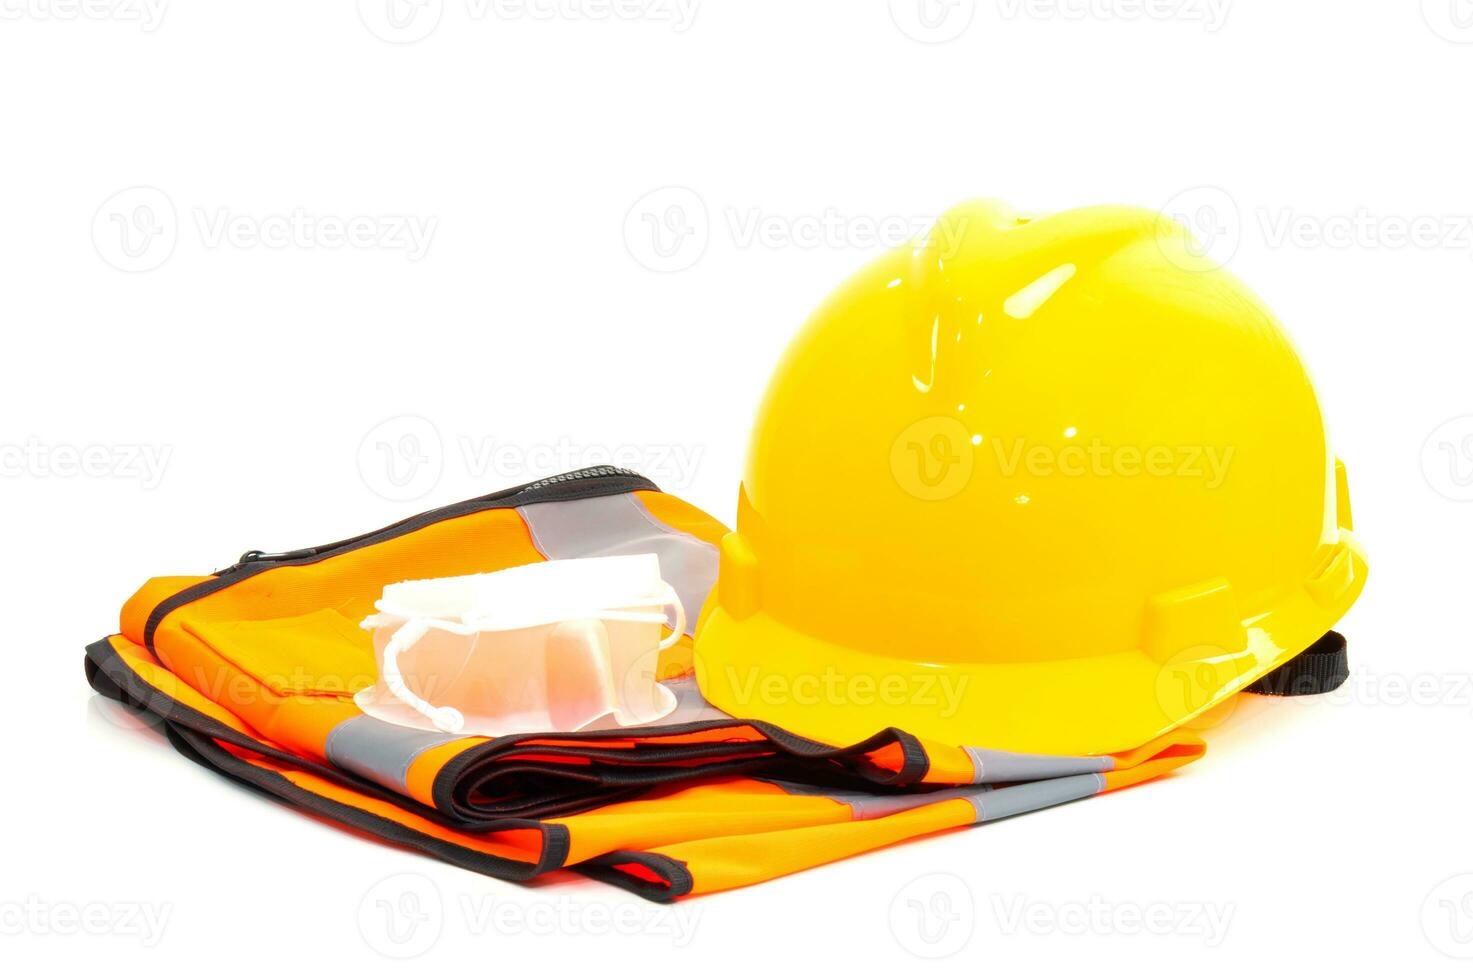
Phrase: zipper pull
[256,556]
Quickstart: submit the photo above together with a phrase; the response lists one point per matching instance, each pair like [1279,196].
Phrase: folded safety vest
[251,672]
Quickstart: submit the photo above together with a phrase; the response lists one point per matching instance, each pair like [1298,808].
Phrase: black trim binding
[595,481]
[202,739]
[678,880]
[465,786]
[197,736]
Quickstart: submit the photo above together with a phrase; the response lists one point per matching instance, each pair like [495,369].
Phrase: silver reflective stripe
[987,802]
[621,525]
[380,751]
[1012,800]
[871,806]
[992,766]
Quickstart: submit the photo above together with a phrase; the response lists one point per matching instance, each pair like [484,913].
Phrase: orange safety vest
[252,672]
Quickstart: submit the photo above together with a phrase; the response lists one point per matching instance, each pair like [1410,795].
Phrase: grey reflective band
[992,766]
[988,803]
[621,525]
[871,806]
[380,751]
[1025,797]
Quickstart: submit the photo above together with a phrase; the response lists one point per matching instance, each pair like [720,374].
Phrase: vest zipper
[591,481]
[255,556]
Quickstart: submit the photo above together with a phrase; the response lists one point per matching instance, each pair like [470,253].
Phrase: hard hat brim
[758,667]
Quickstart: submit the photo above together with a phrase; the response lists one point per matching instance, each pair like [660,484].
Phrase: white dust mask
[552,646]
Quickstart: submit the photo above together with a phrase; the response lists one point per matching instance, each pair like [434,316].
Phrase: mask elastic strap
[670,599]
[446,719]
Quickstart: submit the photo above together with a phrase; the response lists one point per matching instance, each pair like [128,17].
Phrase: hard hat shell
[1048,485]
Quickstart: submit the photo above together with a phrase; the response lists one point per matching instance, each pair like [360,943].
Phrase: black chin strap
[1318,670]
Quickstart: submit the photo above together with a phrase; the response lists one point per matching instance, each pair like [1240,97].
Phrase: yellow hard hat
[1050,485]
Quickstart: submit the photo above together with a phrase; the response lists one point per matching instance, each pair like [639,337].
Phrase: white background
[534,325]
